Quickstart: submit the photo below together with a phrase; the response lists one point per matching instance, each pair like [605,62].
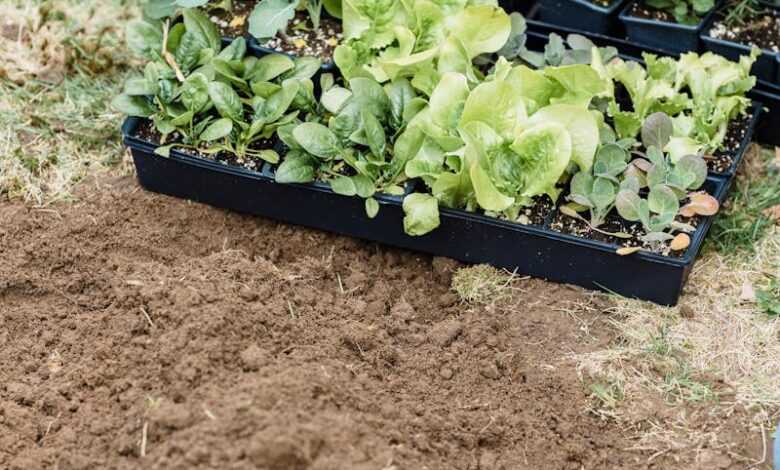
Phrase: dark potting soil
[536,214]
[303,40]
[615,224]
[762,31]
[234,23]
[148,132]
[722,160]
[640,10]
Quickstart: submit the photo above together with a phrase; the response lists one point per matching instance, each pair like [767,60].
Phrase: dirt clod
[253,357]
[444,333]
[443,268]
[489,370]
[686,311]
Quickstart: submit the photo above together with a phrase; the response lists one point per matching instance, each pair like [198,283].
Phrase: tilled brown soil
[141,331]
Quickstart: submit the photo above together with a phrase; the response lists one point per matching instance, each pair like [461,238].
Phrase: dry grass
[61,62]
[717,351]
[482,284]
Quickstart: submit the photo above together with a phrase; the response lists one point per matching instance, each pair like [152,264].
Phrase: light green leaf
[297,167]
[271,66]
[317,139]
[628,204]
[581,125]
[372,207]
[195,92]
[144,38]
[375,134]
[421,214]
[199,24]
[226,100]
[217,130]
[133,105]
[271,16]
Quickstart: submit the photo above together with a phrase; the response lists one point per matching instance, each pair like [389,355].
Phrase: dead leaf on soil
[238,21]
[627,250]
[680,242]
[748,294]
[700,203]
[772,213]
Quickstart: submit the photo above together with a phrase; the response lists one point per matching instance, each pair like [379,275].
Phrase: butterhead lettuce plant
[387,39]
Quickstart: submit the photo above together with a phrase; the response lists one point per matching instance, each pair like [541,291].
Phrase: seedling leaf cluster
[444,106]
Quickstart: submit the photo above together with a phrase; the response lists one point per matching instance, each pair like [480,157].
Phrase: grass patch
[482,284]
[743,222]
[717,351]
[61,63]
[768,298]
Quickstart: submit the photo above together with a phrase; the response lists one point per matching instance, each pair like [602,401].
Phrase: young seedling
[272,17]
[669,183]
[575,49]
[656,213]
[684,11]
[596,191]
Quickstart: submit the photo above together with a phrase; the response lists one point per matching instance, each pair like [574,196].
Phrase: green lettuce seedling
[669,182]
[387,39]
[681,174]
[656,213]
[357,145]
[688,12]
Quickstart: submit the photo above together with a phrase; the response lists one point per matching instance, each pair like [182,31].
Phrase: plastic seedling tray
[259,51]
[766,66]
[255,49]
[767,129]
[777,68]
[744,144]
[582,14]
[469,237]
[664,35]
[522,6]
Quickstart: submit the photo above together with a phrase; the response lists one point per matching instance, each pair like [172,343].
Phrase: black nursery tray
[766,66]
[672,37]
[469,237]
[582,14]
[258,50]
